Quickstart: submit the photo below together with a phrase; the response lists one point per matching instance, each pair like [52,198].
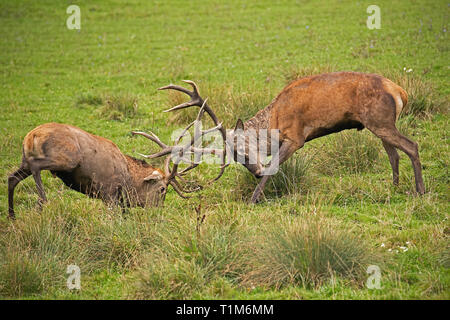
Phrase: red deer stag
[91,165]
[316,106]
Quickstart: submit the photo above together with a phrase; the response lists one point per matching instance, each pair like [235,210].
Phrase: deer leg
[259,189]
[393,159]
[40,188]
[13,180]
[121,200]
[286,150]
[396,139]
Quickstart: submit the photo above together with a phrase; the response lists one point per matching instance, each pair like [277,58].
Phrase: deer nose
[257,173]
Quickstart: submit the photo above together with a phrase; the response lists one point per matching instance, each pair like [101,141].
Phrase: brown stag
[91,165]
[316,106]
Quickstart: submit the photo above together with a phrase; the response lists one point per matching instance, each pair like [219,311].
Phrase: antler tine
[150,136]
[174,181]
[173,173]
[184,171]
[165,148]
[178,88]
[171,178]
[180,193]
[182,106]
[202,111]
[196,100]
[193,85]
[167,166]
[164,152]
[199,116]
[218,127]
[177,140]
[222,170]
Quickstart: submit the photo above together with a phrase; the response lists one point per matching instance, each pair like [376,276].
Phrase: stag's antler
[180,151]
[197,100]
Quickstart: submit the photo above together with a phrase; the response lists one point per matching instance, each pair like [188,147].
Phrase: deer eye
[162,189]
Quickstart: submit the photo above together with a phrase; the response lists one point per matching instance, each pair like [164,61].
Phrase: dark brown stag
[91,165]
[316,106]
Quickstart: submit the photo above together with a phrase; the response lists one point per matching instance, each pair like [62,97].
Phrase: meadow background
[329,214]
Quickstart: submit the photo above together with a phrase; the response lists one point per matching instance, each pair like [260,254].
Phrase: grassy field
[327,216]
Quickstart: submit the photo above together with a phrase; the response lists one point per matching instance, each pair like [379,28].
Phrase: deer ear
[156,175]
[239,125]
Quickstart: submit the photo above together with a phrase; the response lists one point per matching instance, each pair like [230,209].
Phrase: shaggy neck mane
[261,119]
[138,161]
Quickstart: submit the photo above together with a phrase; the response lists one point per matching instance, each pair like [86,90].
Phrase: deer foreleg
[287,148]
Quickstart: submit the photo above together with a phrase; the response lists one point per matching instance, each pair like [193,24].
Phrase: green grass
[329,213]
[308,252]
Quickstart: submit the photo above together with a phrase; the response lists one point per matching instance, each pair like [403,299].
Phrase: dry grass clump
[348,152]
[293,177]
[110,106]
[308,251]
[184,264]
[36,249]
[422,98]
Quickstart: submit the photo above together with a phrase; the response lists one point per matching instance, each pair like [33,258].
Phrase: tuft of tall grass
[293,177]
[88,98]
[182,265]
[117,243]
[20,275]
[244,184]
[35,252]
[36,249]
[110,106]
[166,278]
[118,107]
[308,251]
[348,152]
[422,99]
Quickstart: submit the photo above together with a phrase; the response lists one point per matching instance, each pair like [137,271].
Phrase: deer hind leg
[13,180]
[393,159]
[36,166]
[393,137]
[287,148]
[40,187]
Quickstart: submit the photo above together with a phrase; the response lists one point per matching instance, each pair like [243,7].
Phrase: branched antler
[197,100]
[180,151]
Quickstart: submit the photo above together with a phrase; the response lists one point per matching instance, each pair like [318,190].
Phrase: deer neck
[261,120]
[138,170]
